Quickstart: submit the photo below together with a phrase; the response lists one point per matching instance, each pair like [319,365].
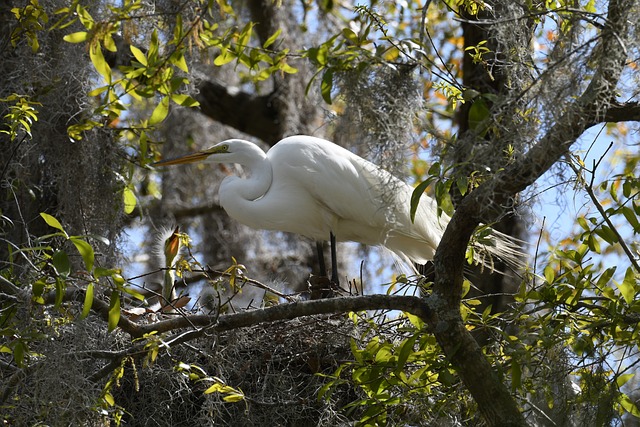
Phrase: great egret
[315,188]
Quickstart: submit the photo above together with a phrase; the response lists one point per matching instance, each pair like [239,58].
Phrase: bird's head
[220,148]
[231,150]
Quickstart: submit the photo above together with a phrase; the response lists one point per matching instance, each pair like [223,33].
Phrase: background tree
[474,100]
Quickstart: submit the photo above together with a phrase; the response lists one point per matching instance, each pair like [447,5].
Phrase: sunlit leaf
[272,39]
[160,112]
[184,100]
[78,37]
[129,200]
[623,379]
[97,58]
[86,251]
[114,311]
[88,301]
[628,405]
[51,221]
[139,55]
[233,397]
[628,286]
[224,58]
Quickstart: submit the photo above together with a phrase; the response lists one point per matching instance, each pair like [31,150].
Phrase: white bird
[315,188]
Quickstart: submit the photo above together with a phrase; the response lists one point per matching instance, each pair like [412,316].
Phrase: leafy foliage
[567,345]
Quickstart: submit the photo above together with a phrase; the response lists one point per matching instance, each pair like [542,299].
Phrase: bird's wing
[341,183]
[368,202]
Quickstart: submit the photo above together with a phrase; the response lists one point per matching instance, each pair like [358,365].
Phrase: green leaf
[78,37]
[326,86]
[131,291]
[593,243]
[51,221]
[160,112]
[84,17]
[86,251]
[19,350]
[61,263]
[179,61]
[463,185]
[98,91]
[628,286]
[129,199]
[631,217]
[405,350]
[233,397]
[623,379]
[272,39]
[549,274]
[415,197]
[417,322]
[139,55]
[224,58]
[97,58]
[607,234]
[516,375]
[605,277]
[114,311]
[88,301]
[184,100]
[61,286]
[628,405]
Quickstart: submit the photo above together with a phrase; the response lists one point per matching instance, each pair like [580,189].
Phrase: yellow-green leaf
[86,251]
[78,37]
[109,399]
[184,100]
[114,311]
[628,286]
[130,200]
[160,112]
[326,86]
[233,397]
[214,388]
[97,58]
[139,55]
[623,379]
[224,58]
[178,60]
[272,39]
[628,405]
[88,301]
[52,222]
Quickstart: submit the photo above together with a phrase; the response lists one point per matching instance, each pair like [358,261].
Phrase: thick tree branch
[622,112]
[255,115]
[414,305]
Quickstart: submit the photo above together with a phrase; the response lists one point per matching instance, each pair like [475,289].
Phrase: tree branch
[622,112]
[255,115]
[593,106]
[414,305]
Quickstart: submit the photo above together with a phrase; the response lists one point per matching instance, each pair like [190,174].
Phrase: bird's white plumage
[312,187]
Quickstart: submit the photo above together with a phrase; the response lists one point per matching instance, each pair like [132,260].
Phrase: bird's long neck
[257,183]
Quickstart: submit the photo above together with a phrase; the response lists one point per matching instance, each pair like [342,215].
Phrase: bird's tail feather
[490,248]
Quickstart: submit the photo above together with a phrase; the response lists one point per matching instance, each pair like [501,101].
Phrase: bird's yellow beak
[193,158]
[189,158]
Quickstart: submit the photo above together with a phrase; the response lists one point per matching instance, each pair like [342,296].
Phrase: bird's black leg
[322,265]
[334,260]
